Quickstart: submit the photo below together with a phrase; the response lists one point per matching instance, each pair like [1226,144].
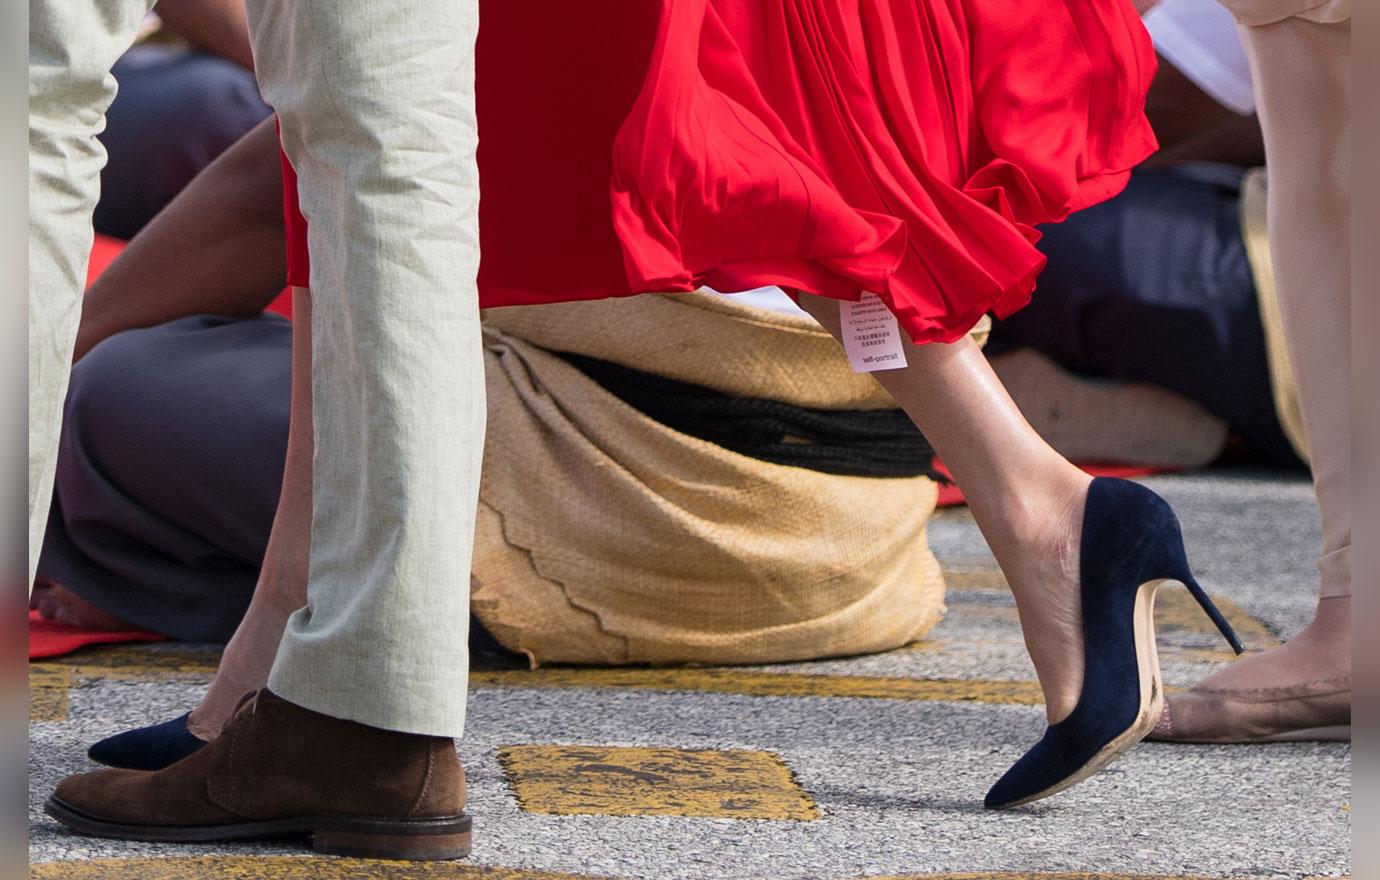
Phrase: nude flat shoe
[1318,711]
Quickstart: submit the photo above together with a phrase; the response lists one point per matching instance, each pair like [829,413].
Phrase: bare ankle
[1044,532]
[1329,634]
[202,728]
[280,594]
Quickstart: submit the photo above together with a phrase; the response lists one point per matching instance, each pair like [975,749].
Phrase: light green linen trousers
[72,45]
[376,103]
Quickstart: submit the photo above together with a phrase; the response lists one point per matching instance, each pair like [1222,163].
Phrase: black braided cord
[863,443]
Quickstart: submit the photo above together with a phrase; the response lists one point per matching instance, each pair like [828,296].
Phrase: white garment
[1200,38]
[773,298]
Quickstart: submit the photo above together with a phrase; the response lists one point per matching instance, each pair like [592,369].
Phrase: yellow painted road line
[1175,609]
[764,684]
[611,781]
[131,661]
[1036,875]
[991,579]
[51,681]
[314,868]
[49,688]
[281,868]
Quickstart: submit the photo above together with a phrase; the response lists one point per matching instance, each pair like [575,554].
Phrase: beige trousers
[1301,58]
[376,103]
[72,46]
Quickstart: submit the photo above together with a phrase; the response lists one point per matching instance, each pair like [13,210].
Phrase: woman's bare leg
[282,586]
[1027,499]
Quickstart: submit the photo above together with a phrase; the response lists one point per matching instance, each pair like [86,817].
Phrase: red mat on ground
[49,639]
[952,496]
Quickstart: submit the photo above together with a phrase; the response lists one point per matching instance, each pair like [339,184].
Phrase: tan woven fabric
[1256,232]
[1258,12]
[708,339]
[606,537]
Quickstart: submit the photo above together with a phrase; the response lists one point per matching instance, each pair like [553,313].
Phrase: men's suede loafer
[281,770]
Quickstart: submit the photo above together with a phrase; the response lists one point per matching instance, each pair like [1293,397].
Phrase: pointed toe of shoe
[1037,771]
[97,794]
[1002,795]
[147,748]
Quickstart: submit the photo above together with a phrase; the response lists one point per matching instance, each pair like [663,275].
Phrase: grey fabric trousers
[377,110]
[168,473]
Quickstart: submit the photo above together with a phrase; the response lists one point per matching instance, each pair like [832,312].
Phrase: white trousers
[1301,57]
[72,46]
[376,103]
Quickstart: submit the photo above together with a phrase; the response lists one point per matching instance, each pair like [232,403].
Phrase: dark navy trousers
[1154,286]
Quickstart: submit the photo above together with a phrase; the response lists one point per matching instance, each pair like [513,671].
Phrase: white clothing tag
[871,336]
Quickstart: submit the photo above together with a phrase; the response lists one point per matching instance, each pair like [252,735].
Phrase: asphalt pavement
[833,770]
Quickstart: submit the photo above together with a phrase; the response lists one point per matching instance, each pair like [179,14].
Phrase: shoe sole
[1340,733]
[1151,699]
[431,839]
[1337,733]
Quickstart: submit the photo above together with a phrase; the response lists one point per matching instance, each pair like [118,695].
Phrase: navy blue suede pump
[1131,545]
[147,748]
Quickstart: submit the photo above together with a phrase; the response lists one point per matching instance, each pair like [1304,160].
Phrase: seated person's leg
[1155,287]
[168,473]
[176,111]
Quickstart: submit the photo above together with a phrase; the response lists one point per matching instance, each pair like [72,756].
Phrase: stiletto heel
[1221,622]
[1169,561]
[1131,546]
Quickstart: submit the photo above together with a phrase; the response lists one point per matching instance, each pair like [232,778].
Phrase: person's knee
[223,100]
[110,393]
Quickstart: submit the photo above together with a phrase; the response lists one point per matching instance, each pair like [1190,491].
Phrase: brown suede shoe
[281,770]
[1319,711]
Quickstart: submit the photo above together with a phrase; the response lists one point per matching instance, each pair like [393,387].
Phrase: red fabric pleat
[834,146]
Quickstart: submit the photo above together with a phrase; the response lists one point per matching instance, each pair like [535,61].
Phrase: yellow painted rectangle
[764,684]
[613,781]
[49,688]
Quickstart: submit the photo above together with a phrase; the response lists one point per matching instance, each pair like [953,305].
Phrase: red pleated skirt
[903,147]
